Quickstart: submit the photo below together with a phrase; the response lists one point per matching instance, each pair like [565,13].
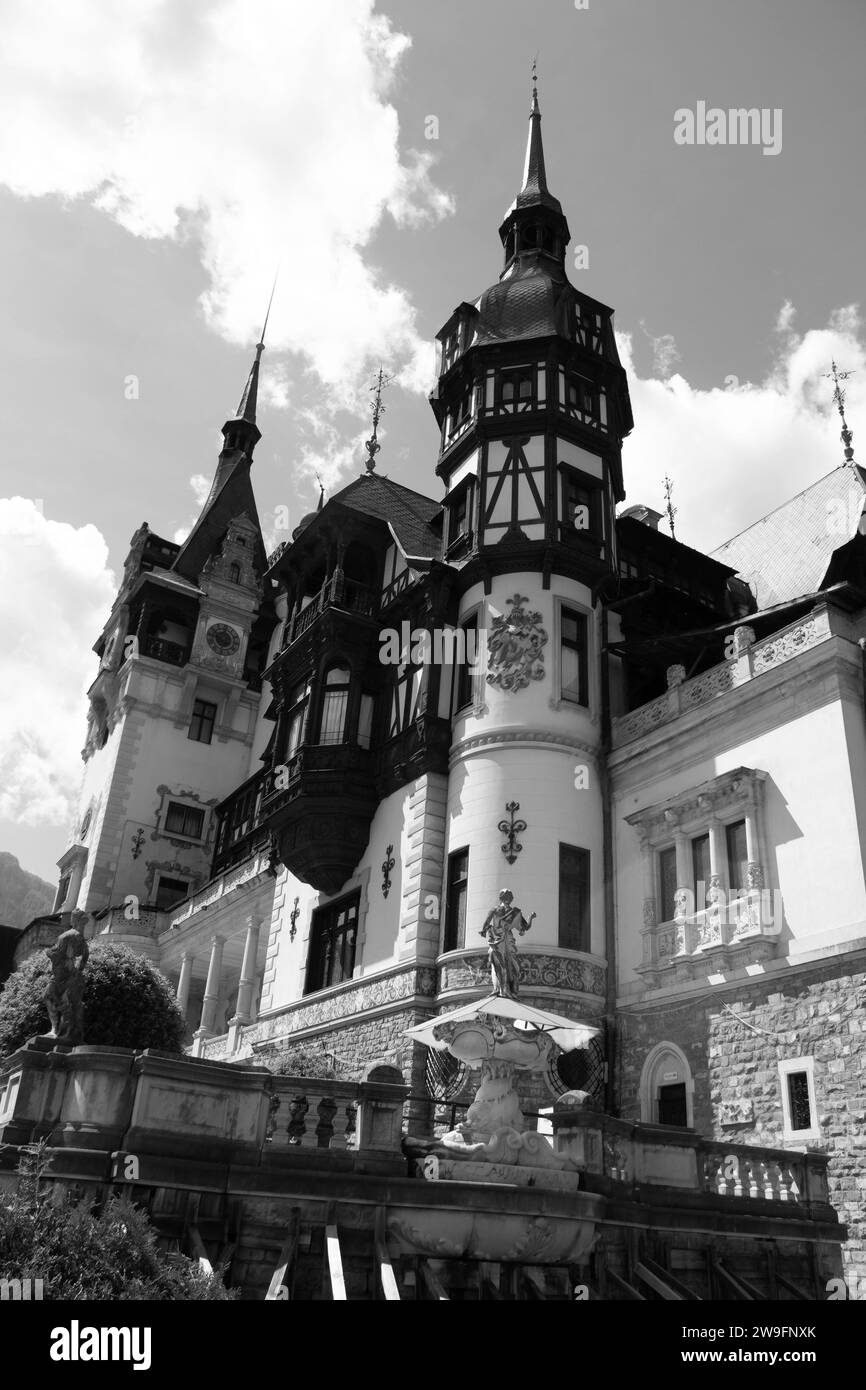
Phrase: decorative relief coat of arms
[514,647]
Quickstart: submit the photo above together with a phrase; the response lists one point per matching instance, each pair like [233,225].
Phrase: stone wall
[734,1043]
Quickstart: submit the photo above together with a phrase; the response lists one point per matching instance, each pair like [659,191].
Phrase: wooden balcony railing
[336,592]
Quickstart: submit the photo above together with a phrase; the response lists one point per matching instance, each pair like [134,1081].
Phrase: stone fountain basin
[498,1234]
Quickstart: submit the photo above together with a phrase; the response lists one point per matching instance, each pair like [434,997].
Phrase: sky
[162,160]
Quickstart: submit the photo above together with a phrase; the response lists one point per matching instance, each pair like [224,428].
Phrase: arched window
[666,1088]
[335,700]
[235,573]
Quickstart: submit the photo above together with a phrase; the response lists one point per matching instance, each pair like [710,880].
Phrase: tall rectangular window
[799,1103]
[574,932]
[668,883]
[202,722]
[365,721]
[297,718]
[455,900]
[701,869]
[573,656]
[335,701]
[464,684]
[184,820]
[581,505]
[738,857]
[333,940]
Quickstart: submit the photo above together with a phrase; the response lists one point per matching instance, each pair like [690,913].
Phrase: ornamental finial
[378,410]
[839,393]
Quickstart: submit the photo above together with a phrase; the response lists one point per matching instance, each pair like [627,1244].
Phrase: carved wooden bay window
[703,855]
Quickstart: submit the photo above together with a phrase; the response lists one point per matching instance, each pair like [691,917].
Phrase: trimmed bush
[79,1255]
[127,1002]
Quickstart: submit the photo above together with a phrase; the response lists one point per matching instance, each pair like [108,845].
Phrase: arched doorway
[666,1088]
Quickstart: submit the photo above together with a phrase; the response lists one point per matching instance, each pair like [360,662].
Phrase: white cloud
[736,452]
[665,351]
[48,663]
[265,133]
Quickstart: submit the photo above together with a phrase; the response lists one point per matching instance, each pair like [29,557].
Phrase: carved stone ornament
[514,647]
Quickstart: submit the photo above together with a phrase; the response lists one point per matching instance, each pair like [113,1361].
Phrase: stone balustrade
[749,661]
[159,1103]
[723,936]
[635,1155]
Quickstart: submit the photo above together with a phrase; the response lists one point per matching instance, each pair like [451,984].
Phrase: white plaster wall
[541,778]
[813,848]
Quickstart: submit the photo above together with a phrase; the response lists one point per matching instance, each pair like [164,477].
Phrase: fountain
[500,1036]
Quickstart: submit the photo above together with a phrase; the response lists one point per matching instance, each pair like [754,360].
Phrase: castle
[303,813]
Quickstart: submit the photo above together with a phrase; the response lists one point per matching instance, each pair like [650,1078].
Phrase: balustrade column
[184,981]
[212,988]
[247,983]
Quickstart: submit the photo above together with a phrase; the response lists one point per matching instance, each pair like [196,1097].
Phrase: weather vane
[378,410]
[839,392]
[669,505]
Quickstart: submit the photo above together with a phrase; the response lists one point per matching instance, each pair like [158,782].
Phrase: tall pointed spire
[535,192]
[236,431]
[535,220]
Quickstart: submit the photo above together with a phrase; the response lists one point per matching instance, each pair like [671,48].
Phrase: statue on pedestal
[64,997]
[499,927]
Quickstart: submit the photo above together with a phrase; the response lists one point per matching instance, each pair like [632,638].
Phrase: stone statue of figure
[64,997]
[499,928]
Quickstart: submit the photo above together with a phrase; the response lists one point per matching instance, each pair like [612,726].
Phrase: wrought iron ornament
[387,865]
[137,842]
[293,918]
[511,829]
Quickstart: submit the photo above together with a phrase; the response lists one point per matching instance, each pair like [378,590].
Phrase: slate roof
[230,496]
[788,552]
[409,513]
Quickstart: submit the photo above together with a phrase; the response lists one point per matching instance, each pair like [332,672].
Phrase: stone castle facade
[306,834]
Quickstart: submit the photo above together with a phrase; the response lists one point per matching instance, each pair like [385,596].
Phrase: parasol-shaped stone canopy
[501,1035]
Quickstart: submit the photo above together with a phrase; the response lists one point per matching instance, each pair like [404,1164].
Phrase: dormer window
[451,349]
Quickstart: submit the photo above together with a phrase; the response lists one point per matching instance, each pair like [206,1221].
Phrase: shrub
[78,1255]
[127,1002]
[300,1059]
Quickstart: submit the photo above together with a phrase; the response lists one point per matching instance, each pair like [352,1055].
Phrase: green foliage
[79,1255]
[301,1059]
[127,1002]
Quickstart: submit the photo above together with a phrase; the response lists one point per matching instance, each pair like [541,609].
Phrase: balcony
[721,937]
[751,659]
[319,805]
[336,592]
[169,652]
